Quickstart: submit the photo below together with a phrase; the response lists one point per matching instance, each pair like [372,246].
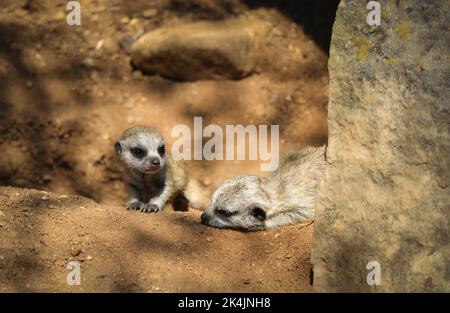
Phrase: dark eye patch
[161,150]
[138,152]
[258,213]
[224,213]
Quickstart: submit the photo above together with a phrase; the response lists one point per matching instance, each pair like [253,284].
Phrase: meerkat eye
[138,152]
[258,213]
[162,150]
[224,213]
[118,148]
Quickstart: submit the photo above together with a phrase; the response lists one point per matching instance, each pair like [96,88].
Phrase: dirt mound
[121,250]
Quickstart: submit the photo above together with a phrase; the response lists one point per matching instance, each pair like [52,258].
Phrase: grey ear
[258,213]
[118,147]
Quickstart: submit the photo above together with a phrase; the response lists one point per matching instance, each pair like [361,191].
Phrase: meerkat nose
[155,161]
[205,218]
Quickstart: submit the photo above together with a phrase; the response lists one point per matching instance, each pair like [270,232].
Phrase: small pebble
[76,252]
[134,21]
[128,103]
[149,13]
[125,42]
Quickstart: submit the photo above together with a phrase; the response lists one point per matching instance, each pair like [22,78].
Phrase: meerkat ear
[118,147]
[258,213]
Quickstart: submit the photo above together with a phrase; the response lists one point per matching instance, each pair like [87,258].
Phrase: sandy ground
[125,251]
[65,99]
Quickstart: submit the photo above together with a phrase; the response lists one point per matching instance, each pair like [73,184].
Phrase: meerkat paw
[134,205]
[149,207]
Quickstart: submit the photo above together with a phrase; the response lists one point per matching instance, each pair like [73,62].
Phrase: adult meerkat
[286,196]
[152,177]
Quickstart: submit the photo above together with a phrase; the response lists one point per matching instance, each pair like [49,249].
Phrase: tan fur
[177,170]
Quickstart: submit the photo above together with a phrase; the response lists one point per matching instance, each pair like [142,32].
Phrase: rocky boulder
[202,50]
[385,198]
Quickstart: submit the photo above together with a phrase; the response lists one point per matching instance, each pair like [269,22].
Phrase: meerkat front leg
[158,203]
[135,197]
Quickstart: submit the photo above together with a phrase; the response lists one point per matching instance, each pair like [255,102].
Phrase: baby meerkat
[152,177]
[286,196]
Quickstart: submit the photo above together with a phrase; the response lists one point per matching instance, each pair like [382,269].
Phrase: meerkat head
[142,148]
[240,203]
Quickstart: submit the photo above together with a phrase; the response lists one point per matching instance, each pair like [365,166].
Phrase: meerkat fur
[286,196]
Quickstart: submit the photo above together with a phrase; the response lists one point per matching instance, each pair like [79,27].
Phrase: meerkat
[286,196]
[152,177]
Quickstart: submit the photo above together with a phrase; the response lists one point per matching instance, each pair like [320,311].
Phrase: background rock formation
[385,195]
[202,50]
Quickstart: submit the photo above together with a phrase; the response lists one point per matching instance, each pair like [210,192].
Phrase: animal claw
[148,207]
[133,205]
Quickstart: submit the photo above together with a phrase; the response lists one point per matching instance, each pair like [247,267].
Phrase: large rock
[202,50]
[385,196]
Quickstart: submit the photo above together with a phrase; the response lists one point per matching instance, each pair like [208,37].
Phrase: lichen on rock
[385,194]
